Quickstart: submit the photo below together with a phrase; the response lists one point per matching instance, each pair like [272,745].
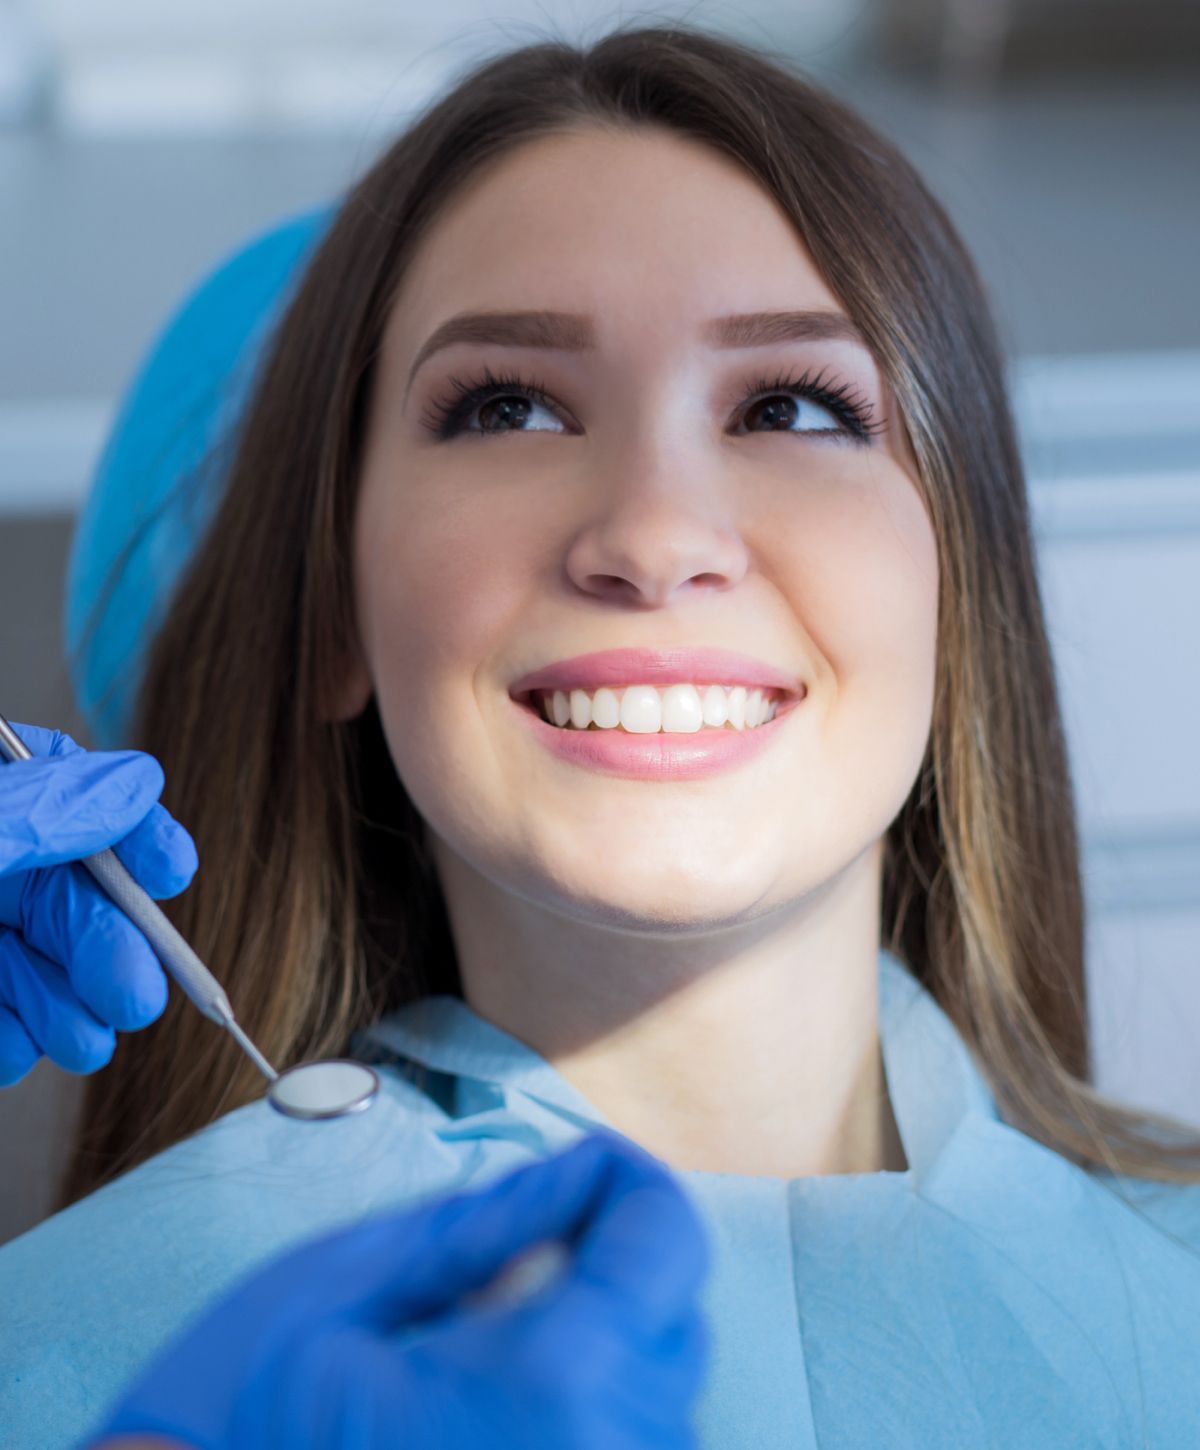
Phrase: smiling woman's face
[656,497]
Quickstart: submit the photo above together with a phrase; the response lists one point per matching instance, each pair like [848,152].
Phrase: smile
[654,753]
[679,708]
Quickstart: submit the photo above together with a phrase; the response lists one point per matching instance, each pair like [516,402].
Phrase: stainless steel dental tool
[308,1090]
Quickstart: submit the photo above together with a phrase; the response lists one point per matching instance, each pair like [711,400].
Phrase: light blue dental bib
[993,1295]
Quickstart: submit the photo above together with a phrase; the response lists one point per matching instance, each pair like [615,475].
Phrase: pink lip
[661,756]
[656,667]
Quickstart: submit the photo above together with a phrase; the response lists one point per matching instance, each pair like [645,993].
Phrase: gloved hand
[74,970]
[353,1341]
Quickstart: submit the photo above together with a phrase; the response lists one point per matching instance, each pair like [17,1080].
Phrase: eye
[446,416]
[786,401]
[779,419]
[813,401]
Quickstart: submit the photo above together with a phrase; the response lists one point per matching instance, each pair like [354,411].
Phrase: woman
[837,983]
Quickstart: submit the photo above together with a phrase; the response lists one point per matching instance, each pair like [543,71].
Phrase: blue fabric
[992,1295]
[159,475]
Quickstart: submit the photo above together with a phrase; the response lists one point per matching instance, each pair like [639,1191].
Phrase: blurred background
[140,143]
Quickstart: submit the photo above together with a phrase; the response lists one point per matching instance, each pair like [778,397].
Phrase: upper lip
[656,667]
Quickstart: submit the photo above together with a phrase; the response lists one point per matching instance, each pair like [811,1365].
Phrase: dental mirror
[323,1089]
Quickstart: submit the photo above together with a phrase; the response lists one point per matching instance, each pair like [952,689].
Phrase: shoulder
[90,1294]
[1173,1208]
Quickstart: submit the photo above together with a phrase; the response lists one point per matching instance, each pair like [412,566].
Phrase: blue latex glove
[352,1342]
[74,970]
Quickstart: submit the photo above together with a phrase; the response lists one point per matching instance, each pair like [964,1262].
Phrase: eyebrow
[573,331]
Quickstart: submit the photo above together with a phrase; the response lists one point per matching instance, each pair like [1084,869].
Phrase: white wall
[1118,530]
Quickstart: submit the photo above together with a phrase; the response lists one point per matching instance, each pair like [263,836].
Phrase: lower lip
[658,756]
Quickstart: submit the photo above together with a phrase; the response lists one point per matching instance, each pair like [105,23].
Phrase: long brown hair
[316,903]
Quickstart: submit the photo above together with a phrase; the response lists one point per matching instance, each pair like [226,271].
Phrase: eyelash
[851,408]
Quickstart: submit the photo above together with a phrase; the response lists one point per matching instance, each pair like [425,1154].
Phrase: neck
[753,1050]
[750,1120]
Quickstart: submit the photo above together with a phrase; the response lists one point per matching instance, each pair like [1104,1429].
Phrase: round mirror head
[323,1089]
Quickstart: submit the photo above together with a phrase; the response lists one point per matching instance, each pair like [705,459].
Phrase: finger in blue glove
[39,993]
[18,1051]
[64,804]
[356,1341]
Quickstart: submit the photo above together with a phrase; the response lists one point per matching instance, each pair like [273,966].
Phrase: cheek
[870,579]
[434,587]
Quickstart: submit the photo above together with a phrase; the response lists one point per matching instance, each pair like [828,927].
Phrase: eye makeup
[851,409]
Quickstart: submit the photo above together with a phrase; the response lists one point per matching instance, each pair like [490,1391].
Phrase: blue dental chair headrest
[160,473]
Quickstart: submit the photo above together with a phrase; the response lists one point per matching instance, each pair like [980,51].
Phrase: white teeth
[581,710]
[642,708]
[716,706]
[645,710]
[738,700]
[682,709]
[605,709]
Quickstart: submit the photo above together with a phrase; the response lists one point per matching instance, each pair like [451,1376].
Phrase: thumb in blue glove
[363,1340]
[74,970]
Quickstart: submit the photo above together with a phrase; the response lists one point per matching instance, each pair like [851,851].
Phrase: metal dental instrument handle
[141,908]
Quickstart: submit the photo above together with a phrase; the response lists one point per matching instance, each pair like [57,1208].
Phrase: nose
[657,536]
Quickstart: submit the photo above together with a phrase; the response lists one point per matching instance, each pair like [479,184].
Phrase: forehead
[644,229]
